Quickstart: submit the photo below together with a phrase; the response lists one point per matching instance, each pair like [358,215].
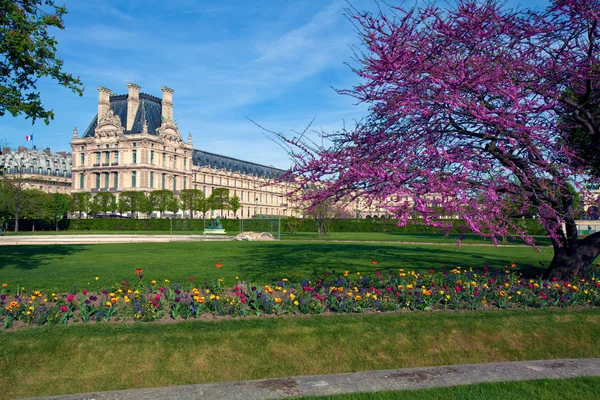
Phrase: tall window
[82,159]
[151,179]
[107,157]
[106,177]
[97,181]
[164,164]
[116,157]
[174,161]
[135,156]
[133,179]
[184,183]
[195,177]
[185,163]
[152,156]
[174,182]
[115,180]
[98,158]
[81,181]
[164,181]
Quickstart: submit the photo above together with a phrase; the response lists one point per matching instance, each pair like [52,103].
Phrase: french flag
[28,138]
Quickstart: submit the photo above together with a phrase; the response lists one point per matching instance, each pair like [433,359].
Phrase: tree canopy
[471,104]
[28,53]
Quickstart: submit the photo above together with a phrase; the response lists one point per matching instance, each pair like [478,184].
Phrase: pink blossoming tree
[479,107]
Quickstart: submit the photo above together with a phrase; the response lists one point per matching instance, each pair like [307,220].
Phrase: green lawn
[99,357]
[547,389]
[403,237]
[59,267]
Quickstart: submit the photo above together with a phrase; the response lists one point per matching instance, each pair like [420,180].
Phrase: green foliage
[81,202]
[36,204]
[159,200]
[133,202]
[28,53]
[291,225]
[174,205]
[234,204]
[190,199]
[105,201]
[219,199]
[61,204]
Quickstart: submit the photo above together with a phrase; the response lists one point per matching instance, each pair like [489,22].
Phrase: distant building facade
[133,143]
[38,169]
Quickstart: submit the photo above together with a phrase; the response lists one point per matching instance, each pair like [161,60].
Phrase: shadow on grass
[32,257]
[314,259]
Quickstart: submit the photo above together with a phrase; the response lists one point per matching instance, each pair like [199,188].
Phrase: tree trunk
[573,259]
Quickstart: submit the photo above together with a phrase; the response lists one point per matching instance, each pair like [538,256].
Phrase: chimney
[133,102]
[103,101]
[167,103]
[47,151]
[5,151]
[22,149]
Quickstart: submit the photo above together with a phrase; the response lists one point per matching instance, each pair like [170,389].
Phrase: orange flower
[200,299]
[218,265]
[139,271]
[502,293]
[374,262]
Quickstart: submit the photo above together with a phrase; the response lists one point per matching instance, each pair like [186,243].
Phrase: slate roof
[204,158]
[149,110]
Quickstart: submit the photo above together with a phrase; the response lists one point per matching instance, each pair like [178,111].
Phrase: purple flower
[177,299]
[140,276]
[177,291]
[104,291]
[253,288]
[87,301]
[93,298]
[3,297]
[259,295]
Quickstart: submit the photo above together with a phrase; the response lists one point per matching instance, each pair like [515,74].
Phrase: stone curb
[368,381]
[100,239]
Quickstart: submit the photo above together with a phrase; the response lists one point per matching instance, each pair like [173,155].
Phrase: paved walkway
[370,381]
[94,239]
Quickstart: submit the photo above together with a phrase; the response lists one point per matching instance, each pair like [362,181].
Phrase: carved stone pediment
[109,126]
[169,132]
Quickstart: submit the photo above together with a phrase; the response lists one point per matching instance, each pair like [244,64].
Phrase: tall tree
[219,199]
[14,167]
[28,53]
[81,202]
[61,204]
[189,199]
[234,204]
[160,199]
[105,201]
[132,201]
[471,102]
[174,205]
[37,205]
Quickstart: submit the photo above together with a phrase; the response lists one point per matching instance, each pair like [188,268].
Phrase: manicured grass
[59,267]
[547,389]
[404,237]
[99,357]
[63,233]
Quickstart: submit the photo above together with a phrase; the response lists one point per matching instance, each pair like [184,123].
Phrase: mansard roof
[149,110]
[203,158]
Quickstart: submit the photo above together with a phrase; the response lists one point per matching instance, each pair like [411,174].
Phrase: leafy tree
[203,206]
[37,205]
[61,204]
[234,204]
[472,102]
[160,199]
[105,201]
[174,205]
[28,53]
[81,202]
[132,201]
[292,224]
[13,170]
[219,199]
[189,199]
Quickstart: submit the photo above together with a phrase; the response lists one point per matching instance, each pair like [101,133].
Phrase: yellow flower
[212,297]
[340,289]
[296,303]
[136,292]
[402,275]
[358,273]
[442,292]
[200,300]
[237,277]
[114,299]
[217,297]
[474,284]
[506,284]
[502,293]
[129,291]
[358,298]
[292,296]
[284,290]
[111,295]
[207,291]
[350,294]
[277,300]
[368,295]
[284,280]
[153,283]
[4,285]
[108,304]
[127,300]
[447,297]
[45,300]
[97,278]
[346,273]
[120,291]
[409,286]
[535,285]
[374,297]
[519,292]
[31,308]
[195,291]
[167,281]
[28,313]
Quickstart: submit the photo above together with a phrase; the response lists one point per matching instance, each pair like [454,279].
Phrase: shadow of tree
[29,257]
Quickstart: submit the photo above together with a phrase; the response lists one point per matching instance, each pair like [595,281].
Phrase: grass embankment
[99,357]
[547,389]
[59,267]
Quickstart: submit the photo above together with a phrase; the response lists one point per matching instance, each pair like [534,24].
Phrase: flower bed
[337,292]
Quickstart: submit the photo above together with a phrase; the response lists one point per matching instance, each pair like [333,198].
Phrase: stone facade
[133,143]
[38,169]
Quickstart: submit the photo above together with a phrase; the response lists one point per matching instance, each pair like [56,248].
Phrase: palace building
[133,143]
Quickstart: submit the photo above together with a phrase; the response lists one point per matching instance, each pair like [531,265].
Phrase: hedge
[303,225]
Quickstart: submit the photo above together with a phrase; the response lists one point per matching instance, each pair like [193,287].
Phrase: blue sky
[272,61]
